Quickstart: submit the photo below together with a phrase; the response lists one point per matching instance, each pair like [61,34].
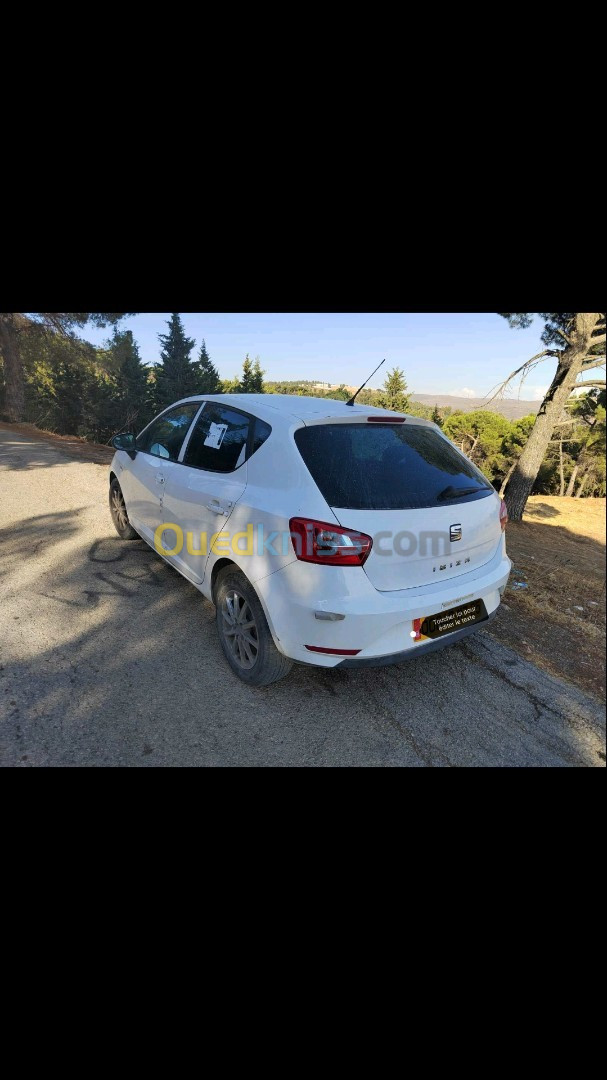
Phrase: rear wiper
[452,493]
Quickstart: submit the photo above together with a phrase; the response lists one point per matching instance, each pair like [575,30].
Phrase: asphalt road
[109,657]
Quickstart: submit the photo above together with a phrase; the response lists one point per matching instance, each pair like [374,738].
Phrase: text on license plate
[446,622]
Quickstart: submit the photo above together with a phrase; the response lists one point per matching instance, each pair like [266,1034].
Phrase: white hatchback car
[324,533]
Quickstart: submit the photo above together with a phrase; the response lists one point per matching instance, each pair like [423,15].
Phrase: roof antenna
[354,396]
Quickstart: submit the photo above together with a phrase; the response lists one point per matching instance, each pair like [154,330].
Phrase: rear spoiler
[377,416]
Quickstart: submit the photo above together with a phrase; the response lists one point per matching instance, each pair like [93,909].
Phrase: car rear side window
[388,466]
[219,439]
[261,432]
[164,436]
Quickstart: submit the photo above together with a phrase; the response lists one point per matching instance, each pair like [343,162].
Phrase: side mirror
[124,441]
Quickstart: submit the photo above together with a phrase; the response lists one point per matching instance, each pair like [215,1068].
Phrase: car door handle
[160,478]
[216,507]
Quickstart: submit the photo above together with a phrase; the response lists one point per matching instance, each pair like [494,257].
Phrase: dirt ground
[557,620]
[77,447]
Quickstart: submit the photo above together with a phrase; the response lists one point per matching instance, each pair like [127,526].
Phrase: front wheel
[120,517]
[244,632]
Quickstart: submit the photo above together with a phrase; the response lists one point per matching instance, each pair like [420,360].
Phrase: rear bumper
[419,650]
[338,608]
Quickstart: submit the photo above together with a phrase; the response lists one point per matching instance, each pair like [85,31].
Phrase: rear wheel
[244,632]
[120,517]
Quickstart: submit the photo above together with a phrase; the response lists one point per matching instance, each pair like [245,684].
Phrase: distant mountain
[511,408]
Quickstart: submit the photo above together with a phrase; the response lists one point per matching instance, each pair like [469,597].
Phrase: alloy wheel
[240,629]
[119,509]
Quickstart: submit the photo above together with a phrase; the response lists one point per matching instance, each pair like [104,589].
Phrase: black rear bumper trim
[419,650]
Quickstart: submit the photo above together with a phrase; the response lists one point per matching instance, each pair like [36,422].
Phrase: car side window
[260,434]
[219,440]
[164,436]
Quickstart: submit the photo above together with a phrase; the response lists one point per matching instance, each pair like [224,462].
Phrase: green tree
[209,381]
[177,375]
[393,394]
[576,340]
[512,446]
[301,387]
[367,397]
[230,386]
[17,326]
[133,392]
[586,444]
[101,409]
[436,416]
[41,357]
[480,436]
[417,408]
[251,380]
[70,387]
[589,408]
[247,377]
[71,392]
[257,379]
[341,394]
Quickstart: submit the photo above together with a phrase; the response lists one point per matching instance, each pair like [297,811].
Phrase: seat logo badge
[455,533]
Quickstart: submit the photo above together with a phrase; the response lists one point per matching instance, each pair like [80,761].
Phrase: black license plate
[447,622]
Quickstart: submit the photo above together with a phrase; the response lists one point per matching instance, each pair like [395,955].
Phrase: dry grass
[584,517]
[558,620]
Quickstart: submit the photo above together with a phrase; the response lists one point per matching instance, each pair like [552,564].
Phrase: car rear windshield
[388,466]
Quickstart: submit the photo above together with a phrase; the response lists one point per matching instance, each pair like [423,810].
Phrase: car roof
[292,405]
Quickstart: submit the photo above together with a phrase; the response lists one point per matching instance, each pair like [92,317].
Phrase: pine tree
[257,378]
[101,412]
[133,404]
[208,381]
[247,381]
[70,398]
[436,416]
[17,325]
[576,340]
[393,394]
[177,376]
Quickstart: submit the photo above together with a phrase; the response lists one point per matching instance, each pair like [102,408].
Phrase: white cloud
[464,392]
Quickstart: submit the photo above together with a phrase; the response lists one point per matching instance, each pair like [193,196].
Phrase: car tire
[244,633]
[119,514]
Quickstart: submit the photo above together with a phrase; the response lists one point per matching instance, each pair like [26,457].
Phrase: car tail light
[386,419]
[503,515]
[319,542]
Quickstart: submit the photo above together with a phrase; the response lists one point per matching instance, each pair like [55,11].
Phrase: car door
[144,478]
[203,489]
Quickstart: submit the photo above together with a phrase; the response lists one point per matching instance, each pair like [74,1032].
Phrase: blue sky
[464,354]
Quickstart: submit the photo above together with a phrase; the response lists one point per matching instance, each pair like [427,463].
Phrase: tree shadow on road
[23,541]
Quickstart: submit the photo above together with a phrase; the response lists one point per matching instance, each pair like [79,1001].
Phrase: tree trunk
[569,366]
[561,469]
[506,479]
[469,453]
[572,479]
[579,491]
[13,368]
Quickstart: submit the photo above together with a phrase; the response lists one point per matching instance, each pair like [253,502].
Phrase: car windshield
[388,466]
